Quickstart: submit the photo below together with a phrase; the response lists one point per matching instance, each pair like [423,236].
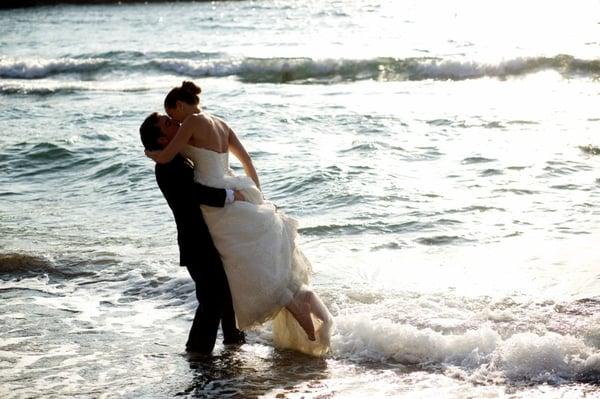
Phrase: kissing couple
[239,249]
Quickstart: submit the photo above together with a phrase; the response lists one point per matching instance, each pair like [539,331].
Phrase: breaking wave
[40,68]
[523,357]
[15,265]
[302,69]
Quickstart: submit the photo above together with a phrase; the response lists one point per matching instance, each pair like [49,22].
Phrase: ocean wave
[170,291]
[300,69]
[474,160]
[44,88]
[280,70]
[522,357]
[442,240]
[26,89]
[15,264]
[24,160]
[18,262]
[590,149]
[40,68]
[360,228]
[124,55]
[44,152]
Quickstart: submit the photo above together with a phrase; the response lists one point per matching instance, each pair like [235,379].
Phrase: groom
[196,248]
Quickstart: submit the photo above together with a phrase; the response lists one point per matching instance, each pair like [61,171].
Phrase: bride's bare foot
[300,309]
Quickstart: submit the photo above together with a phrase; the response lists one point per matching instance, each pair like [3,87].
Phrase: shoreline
[14,4]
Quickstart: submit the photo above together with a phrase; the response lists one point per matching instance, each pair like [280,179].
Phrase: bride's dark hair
[187,92]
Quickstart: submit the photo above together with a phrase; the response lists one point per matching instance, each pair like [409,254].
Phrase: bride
[267,272]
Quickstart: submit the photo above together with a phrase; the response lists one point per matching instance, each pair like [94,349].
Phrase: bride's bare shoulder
[220,124]
[198,120]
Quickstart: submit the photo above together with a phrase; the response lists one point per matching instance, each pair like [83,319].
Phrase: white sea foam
[199,68]
[593,332]
[549,357]
[359,337]
[460,70]
[544,358]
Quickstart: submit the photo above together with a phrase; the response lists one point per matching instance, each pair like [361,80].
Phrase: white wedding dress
[257,244]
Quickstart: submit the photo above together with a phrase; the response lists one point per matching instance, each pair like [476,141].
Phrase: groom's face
[168,128]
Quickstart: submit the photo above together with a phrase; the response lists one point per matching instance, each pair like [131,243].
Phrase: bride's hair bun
[187,93]
[190,87]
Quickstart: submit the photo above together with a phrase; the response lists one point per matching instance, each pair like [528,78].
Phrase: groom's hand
[238,196]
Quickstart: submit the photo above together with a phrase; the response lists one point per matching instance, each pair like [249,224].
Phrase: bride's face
[177,112]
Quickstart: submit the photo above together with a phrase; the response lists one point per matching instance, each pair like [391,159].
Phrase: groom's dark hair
[150,132]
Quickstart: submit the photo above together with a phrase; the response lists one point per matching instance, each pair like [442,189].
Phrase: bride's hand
[238,196]
[153,155]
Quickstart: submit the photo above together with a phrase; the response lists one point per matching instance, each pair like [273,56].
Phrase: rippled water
[444,170]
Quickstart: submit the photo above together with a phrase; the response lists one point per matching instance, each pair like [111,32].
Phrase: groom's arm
[177,185]
[209,195]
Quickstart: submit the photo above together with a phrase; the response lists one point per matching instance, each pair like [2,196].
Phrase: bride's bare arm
[166,155]
[237,149]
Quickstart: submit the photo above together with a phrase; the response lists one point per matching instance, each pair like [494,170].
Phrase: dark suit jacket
[184,196]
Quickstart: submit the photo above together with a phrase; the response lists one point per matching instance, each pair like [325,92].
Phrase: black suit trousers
[214,306]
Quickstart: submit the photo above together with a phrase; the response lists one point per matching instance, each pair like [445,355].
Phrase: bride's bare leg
[320,311]
[300,308]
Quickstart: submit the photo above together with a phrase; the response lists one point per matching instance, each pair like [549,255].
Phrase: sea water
[441,158]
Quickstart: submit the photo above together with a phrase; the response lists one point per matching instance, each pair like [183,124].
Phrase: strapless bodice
[208,164]
[211,169]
